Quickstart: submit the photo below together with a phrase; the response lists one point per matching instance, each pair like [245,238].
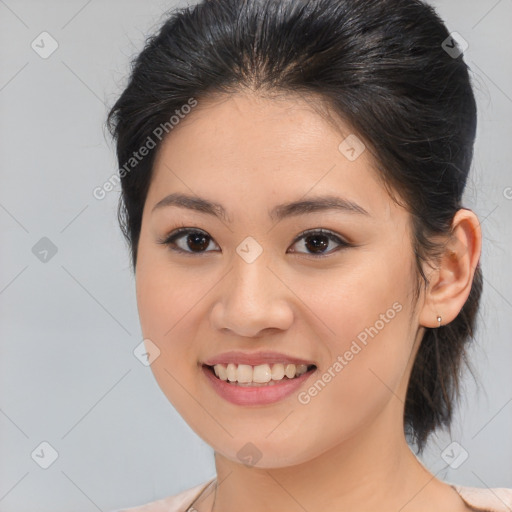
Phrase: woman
[307,277]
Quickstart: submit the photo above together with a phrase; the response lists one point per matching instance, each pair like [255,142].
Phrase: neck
[370,471]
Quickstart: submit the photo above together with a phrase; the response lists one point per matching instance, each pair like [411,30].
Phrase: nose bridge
[250,276]
[251,298]
[250,281]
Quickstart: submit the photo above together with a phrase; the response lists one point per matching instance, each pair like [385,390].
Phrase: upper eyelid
[321,230]
[184,230]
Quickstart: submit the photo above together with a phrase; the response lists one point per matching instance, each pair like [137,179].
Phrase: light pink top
[488,500]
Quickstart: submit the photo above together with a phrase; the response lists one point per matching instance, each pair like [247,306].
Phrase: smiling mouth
[261,375]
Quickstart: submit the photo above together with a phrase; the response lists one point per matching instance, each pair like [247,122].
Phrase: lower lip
[255,395]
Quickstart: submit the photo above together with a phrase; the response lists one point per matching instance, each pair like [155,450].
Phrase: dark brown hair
[381,66]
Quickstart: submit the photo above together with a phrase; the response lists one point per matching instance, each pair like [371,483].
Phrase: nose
[251,300]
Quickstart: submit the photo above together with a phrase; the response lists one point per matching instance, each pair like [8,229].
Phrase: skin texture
[345,449]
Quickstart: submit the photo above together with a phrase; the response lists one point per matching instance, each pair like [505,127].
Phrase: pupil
[199,239]
[320,242]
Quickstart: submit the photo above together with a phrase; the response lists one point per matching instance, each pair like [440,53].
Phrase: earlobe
[451,281]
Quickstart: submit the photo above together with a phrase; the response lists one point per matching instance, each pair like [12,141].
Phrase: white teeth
[230,372]
[246,374]
[289,370]
[261,373]
[277,371]
[220,371]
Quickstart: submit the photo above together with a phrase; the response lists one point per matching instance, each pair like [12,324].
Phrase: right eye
[187,241]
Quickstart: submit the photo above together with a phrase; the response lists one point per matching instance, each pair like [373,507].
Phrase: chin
[264,454]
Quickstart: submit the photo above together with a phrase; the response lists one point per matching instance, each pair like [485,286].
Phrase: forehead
[249,122]
[264,146]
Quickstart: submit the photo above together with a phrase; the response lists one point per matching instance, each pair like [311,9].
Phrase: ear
[450,282]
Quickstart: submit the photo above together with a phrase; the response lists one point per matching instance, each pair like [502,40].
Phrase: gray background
[69,325]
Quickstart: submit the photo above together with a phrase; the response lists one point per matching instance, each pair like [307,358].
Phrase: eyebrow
[279,212]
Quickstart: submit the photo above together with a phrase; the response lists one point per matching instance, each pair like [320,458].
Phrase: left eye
[318,240]
[197,241]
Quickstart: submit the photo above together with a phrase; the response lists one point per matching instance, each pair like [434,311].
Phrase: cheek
[368,366]
[166,300]
[165,295]
[368,340]
[166,303]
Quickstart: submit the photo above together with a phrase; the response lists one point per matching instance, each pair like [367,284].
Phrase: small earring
[439,320]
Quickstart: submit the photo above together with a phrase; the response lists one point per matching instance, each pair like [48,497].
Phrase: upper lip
[255,358]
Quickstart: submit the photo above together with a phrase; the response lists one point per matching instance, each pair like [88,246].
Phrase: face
[259,286]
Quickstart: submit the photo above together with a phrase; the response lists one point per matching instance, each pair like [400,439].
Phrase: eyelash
[180,232]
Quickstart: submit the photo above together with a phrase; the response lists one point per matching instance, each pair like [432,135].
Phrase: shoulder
[492,500]
[176,503]
[489,500]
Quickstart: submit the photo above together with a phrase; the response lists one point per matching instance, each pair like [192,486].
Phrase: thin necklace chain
[191,507]
[214,495]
